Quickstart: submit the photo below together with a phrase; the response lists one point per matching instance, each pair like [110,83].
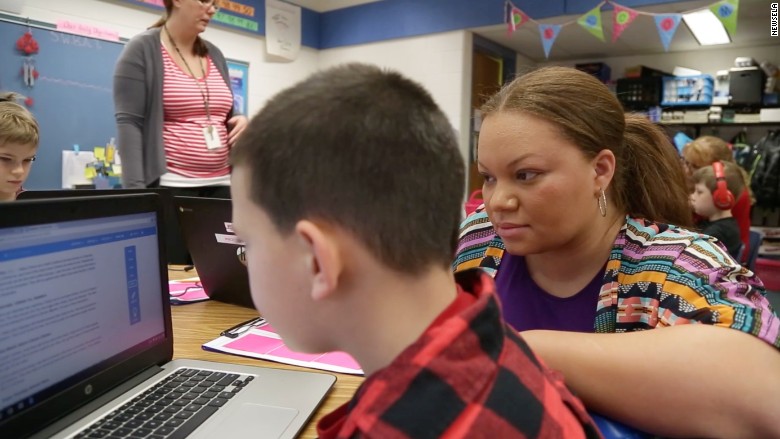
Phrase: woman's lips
[510,230]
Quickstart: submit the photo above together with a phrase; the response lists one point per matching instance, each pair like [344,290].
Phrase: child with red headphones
[716,190]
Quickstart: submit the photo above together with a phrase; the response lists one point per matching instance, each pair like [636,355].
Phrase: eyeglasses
[209,3]
[12,163]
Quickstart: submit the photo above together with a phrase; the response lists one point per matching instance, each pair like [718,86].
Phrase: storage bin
[687,90]
[636,94]
[768,270]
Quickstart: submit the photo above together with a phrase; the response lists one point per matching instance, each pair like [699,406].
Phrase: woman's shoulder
[669,245]
[143,42]
[146,36]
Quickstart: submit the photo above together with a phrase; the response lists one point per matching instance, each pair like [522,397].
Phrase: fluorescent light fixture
[706,27]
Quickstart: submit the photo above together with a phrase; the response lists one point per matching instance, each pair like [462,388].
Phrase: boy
[18,145]
[716,189]
[325,183]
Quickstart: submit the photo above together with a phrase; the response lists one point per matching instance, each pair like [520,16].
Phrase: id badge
[211,136]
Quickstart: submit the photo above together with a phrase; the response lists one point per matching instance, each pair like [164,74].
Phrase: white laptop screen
[72,295]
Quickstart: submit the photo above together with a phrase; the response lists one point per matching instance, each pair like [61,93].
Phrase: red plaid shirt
[468,375]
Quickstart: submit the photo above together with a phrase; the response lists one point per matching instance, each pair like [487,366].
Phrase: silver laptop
[86,339]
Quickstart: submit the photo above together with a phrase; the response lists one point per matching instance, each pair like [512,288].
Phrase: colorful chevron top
[657,275]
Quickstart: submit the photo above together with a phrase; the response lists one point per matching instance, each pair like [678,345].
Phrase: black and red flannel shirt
[468,375]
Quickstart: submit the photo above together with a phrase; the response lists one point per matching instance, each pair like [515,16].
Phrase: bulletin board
[239,78]
[72,98]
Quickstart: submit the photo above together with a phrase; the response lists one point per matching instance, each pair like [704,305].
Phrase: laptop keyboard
[172,408]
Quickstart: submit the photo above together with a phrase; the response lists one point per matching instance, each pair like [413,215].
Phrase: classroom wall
[265,77]
[440,62]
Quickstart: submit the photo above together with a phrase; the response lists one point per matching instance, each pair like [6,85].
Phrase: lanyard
[206,97]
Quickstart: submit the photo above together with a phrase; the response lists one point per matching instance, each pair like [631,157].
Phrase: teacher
[174,106]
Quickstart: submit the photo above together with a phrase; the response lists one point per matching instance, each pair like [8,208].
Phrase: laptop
[86,339]
[174,244]
[206,225]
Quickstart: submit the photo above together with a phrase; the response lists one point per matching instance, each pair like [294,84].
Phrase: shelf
[719,124]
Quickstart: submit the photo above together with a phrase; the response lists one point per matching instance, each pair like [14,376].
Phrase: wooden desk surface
[198,323]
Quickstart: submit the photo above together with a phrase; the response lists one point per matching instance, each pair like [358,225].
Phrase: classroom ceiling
[328,5]
[640,38]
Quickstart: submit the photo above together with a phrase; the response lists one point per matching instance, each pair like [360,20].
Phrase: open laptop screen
[73,295]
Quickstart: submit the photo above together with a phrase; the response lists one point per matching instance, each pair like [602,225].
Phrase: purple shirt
[526,306]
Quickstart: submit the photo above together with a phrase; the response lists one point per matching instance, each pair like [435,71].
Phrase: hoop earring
[602,202]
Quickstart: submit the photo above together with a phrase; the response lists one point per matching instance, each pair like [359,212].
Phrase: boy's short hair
[734,180]
[17,124]
[365,149]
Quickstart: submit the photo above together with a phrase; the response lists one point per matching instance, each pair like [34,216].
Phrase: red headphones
[721,196]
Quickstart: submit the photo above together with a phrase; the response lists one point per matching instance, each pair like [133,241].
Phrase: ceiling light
[706,27]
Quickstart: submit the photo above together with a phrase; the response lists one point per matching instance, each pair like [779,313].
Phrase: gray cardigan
[138,105]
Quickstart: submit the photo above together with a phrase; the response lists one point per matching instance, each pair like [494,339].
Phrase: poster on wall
[239,77]
[282,29]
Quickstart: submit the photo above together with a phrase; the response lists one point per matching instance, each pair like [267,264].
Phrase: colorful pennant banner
[591,21]
[622,17]
[667,26]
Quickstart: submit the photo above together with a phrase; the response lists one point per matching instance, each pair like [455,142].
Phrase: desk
[198,323]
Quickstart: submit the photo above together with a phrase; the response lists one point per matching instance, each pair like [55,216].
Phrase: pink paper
[285,352]
[341,359]
[255,343]
[87,30]
[194,294]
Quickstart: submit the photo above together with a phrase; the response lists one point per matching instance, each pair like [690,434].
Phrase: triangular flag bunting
[726,11]
[621,18]
[516,19]
[549,33]
[592,22]
[667,26]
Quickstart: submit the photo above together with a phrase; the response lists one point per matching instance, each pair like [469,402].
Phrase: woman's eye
[526,175]
[487,178]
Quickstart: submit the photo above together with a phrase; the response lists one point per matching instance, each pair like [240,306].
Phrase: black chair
[755,242]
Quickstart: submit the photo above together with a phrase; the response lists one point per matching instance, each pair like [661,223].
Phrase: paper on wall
[74,165]
[282,29]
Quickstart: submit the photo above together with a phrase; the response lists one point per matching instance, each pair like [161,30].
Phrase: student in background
[174,106]
[336,264]
[716,189]
[705,150]
[18,145]
[581,229]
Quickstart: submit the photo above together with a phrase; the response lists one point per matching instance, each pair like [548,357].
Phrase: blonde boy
[18,145]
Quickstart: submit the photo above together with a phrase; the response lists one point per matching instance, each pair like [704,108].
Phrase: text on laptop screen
[72,295]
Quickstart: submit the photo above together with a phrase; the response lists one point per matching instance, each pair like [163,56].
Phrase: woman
[174,106]
[578,202]
[706,150]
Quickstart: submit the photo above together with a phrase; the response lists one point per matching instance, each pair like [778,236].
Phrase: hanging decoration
[591,21]
[549,34]
[27,45]
[726,11]
[516,18]
[622,17]
[667,26]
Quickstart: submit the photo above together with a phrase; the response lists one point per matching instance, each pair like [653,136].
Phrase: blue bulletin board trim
[239,82]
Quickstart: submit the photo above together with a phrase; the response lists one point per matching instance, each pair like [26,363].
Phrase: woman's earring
[602,201]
